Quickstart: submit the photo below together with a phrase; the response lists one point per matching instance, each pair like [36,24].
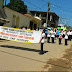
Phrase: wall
[15,18]
[19,19]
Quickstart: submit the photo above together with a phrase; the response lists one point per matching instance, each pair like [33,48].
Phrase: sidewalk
[16,56]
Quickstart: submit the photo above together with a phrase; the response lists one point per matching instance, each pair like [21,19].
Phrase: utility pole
[60,19]
[47,12]
[5,3]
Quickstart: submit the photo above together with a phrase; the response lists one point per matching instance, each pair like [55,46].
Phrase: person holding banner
[42,41]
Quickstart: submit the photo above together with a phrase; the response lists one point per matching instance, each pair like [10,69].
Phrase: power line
[33,5]
[57,6]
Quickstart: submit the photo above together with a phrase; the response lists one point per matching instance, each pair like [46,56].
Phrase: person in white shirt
[42,41]
[60,37]
[52,35]
[48,36]
[28,28]
[64,33]
[24,28]
[66,37]
[71,34]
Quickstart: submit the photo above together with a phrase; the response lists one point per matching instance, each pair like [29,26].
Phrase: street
[15,56]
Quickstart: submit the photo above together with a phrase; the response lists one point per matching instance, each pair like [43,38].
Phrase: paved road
[16,56]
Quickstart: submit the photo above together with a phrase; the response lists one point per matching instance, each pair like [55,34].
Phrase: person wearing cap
[48,36]
[42,41]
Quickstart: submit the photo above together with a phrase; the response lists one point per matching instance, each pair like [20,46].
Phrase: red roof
[27,15]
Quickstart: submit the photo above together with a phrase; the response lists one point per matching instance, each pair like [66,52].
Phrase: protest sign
[19,35]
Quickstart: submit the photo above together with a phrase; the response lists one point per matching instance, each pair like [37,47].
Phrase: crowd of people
[53,34]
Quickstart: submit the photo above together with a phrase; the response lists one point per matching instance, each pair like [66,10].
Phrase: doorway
[31,25]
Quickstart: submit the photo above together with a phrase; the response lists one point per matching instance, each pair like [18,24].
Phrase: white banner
[19,35]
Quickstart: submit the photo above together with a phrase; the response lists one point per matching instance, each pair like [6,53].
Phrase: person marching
[60,37]
[57,32]
[52,35]
[42,41]
[70,35]
[48,36]
[66,37]
[64,33]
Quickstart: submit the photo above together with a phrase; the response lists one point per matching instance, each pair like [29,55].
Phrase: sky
[63,8]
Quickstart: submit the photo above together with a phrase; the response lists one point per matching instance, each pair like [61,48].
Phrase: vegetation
[17,5]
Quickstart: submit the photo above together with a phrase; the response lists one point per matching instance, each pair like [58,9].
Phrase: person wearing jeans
[42,42]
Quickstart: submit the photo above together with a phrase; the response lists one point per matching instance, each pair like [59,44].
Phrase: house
[3,17]
[52,17]
[18,20]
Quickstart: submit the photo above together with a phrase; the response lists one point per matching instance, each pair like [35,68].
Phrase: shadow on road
[60,65]
[22,48]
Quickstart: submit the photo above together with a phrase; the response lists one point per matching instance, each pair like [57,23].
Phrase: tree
[17,5]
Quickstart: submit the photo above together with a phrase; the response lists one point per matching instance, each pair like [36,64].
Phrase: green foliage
[1,3]
[17,5]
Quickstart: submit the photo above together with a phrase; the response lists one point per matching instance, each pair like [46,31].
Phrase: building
[18,20]
[3,17]
[52,17]
[62,25]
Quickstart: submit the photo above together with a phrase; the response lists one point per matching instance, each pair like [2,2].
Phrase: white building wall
[24,21]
